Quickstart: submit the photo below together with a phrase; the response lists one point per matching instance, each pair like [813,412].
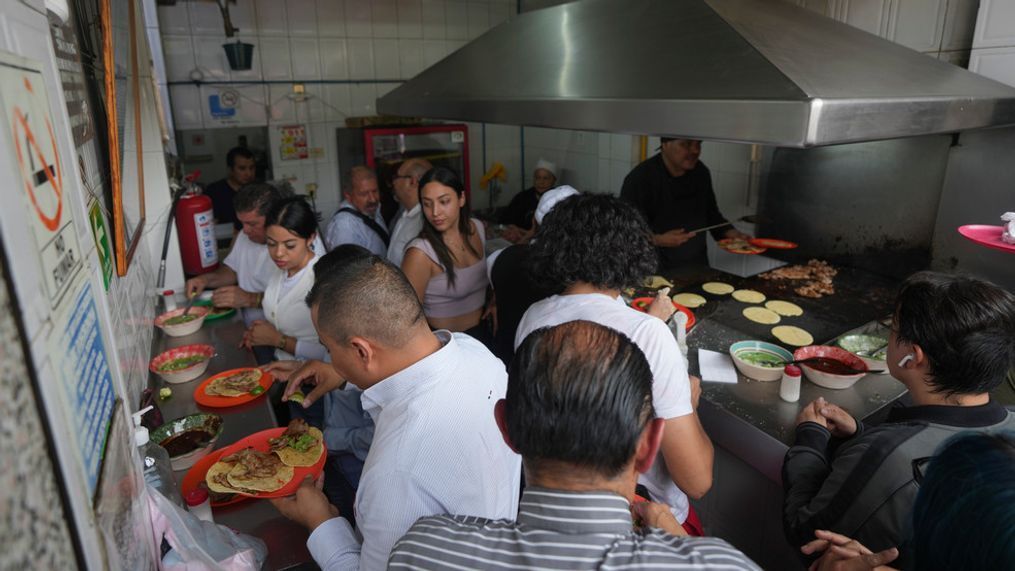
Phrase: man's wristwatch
[282,342]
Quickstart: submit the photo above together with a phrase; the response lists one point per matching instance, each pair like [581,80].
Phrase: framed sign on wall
[120,24]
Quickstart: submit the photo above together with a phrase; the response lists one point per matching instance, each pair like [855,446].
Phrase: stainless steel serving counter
[748,418]
[286,540]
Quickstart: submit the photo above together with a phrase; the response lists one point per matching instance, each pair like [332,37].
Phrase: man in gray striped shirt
[579,410]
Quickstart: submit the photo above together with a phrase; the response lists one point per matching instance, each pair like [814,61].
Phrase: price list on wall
[88,383]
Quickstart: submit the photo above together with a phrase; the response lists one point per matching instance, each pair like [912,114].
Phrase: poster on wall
[294,142]
[42,175]
[73,356]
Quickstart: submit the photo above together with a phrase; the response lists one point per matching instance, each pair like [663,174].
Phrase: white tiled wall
[395,39]
[993,52]
[318,40]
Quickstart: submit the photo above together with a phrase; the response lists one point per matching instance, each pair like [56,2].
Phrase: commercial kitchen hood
[758,71]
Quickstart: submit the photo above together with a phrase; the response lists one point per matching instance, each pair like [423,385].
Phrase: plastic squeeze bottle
[155,464]
[199,504]
[789,389]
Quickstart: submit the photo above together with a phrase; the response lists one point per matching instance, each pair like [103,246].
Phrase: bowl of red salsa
[830,367]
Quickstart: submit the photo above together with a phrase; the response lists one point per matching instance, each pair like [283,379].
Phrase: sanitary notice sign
[42,175]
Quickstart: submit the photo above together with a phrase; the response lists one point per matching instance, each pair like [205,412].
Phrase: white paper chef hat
[550,199]
[546,165]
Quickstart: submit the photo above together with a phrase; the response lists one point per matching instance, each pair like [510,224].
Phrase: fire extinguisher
[195,226]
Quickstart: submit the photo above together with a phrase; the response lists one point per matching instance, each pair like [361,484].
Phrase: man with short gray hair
[358,220]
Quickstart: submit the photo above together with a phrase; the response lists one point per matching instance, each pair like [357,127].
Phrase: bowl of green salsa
[175,324]
[182,364]
[759,360]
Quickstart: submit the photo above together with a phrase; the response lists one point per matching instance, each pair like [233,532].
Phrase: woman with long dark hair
[291,231]
[446,264]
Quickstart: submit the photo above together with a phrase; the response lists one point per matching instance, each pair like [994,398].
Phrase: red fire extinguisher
[195,225]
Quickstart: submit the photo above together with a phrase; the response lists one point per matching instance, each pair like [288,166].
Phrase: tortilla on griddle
[299,445]
[259,471]
[234,385]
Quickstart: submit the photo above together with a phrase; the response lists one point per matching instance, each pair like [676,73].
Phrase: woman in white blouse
[291,229]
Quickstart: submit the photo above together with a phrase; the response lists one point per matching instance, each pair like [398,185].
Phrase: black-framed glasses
[919,466]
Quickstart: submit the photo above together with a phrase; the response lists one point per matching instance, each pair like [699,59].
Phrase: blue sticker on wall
[218,109]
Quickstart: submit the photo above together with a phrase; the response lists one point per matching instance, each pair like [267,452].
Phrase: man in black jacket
[952,342]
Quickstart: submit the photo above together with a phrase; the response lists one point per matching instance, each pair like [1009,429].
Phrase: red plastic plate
[729,243]
[772,243]
[257,441]
[989,236]
[640,303]
[217,401]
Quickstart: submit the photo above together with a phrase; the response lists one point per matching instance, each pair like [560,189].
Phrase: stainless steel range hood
[737,70]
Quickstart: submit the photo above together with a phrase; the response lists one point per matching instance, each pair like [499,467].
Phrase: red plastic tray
[640,303]
[216,401]
[257,441]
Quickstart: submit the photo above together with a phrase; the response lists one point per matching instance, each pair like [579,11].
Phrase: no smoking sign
[41,171]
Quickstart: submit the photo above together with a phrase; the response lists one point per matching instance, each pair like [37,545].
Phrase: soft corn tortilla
[239,478]
[222,468]
[748,296]
[656,282]
[691,300]
[234,385]
[761,315]
[718,288]
[784,308]
[293,457]
[791,335]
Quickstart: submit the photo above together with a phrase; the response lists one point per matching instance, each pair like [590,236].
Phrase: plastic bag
[199,545]
[1008,233]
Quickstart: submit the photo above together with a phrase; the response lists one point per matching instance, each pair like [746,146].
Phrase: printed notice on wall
[80,363]
[41,177]
[294,142]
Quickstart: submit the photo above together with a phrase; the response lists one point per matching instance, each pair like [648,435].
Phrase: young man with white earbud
[952,341]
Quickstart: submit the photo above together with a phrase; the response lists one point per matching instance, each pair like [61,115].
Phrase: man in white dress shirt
[358,220]
[409,220]
[436,446]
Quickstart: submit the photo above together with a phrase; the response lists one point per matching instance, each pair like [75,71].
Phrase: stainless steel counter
[748,418]
[286,540]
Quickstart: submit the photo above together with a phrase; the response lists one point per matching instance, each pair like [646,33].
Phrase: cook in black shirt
[518,214]
[673,191]
[242,171]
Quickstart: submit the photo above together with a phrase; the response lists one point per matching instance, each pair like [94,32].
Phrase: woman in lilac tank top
[446,264]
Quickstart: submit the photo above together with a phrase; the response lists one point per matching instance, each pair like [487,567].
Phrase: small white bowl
[830,380]
[212,423]
[182,375]
[757,372]
[183,328]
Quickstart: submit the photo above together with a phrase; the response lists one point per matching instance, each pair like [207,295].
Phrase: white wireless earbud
[906,359]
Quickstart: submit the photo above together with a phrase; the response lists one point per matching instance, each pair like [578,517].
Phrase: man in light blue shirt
[358,220]
[436,446]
